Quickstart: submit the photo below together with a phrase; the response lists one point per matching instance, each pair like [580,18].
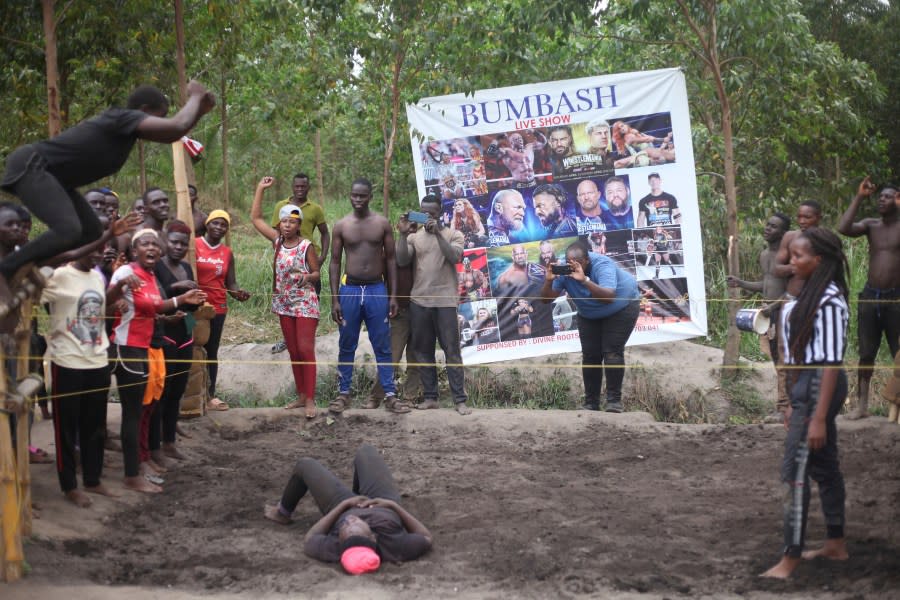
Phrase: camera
[415,216]
[561,269]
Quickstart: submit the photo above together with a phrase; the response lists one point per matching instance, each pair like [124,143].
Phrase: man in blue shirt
[606,299]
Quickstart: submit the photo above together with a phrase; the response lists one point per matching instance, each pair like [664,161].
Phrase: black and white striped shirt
[829,338]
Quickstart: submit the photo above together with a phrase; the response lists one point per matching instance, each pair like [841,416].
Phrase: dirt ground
[530,504]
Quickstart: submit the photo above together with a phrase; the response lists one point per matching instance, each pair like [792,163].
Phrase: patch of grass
[746,403]
[489,388]
[644,392]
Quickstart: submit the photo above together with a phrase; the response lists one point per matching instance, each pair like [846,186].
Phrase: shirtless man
[518,157]
[809,214]
[878,311]
[772,289]
[519,273]
[368,242]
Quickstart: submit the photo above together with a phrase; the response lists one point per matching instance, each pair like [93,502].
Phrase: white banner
[525,171]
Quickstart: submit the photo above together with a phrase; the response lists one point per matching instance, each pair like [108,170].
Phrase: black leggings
[178,368]
[130,369]
[70,220]
[371,477]
[212,351]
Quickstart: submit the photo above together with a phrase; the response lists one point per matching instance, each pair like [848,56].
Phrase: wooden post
[12,558]
[183,206]
[23,342]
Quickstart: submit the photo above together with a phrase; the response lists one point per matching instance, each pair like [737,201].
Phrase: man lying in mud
[359,528]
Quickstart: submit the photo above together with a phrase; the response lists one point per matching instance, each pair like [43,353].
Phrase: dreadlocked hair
[833,267]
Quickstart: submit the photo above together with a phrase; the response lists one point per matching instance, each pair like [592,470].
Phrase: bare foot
[462,409]
[429,404]
[101,490]
[835,549]
[157,468]
[78,498]
[273,514]
[148,473]
[139,484]
[159,459]
[859,413]
[310,408]
[783,569]
[172,452]
[182,432]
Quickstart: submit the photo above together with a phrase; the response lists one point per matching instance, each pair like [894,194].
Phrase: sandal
[36,456]
[396,405]
[339,404]
[216,404]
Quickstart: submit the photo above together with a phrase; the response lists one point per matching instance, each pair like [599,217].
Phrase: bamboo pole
[12,558]
[23,342]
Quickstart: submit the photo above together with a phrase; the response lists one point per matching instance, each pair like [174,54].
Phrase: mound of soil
[529,504]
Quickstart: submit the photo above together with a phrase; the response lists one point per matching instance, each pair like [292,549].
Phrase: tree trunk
[320,176]
[143,165]
[181,64]
[391,135]
[179,52]
[54,121]
[224,113]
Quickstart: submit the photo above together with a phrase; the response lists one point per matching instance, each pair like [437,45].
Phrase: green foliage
[644,392]
[489,388]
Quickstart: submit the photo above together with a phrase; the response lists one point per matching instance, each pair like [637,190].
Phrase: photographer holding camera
[607,301]
[433,251]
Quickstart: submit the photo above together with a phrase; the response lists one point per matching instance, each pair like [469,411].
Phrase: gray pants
[430,325]
[371,477]
[802,464]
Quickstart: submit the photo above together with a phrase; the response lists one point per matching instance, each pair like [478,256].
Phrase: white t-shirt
[77,336]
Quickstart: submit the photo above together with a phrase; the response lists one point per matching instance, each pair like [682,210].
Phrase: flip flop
[216,404]
[36,456]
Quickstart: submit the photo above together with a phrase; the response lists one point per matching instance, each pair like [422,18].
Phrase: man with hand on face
[434,252]
[368,242]
[607,302]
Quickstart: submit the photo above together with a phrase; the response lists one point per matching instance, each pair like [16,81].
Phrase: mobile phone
[561,269]
[415,216]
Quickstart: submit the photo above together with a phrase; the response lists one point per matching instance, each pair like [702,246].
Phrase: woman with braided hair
[814,338]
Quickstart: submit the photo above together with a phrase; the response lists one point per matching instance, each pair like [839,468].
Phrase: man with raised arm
[368,242]
[878,311]
[771,287]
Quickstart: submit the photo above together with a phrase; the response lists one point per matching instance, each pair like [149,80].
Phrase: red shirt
[212,267]
[134,327]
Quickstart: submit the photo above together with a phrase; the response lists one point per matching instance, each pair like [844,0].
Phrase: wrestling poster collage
[521,197]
